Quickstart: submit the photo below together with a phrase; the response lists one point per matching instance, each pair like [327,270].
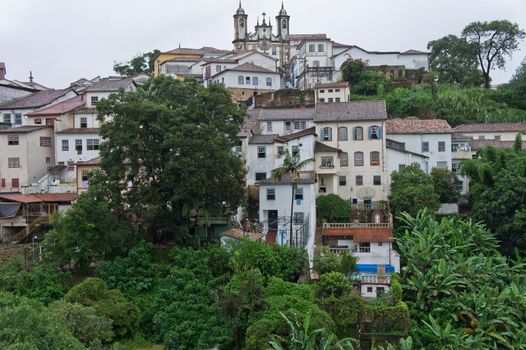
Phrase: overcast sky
[63,40]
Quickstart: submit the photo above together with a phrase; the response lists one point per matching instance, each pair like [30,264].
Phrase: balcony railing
[371,278]
[355,225]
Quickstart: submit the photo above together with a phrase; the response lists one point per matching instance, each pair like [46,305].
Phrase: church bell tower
[283,23]
[240,29]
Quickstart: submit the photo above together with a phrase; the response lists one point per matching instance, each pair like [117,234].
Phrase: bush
[333,283]
[394,320]
[332,208]
[330,262]
[347,311]
[396,288]
[447,185]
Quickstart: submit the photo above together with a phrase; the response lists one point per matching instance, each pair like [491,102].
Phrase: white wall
[394,159]
[71,155]
[278,126]
[230,80]
[381,254]
[413,143]
[373,59]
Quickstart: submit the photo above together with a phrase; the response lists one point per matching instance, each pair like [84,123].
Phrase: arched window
[358,158]
[357,133]
[375,158]
[375,132]
[344,159]
[284,24]
[315,63]
[241,22]
[326,134]
[241,80]
[342,133]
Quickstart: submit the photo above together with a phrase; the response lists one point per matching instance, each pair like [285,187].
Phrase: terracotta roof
[59,108]
[282,113]
[94,161]
[321,147]
[249,67]
[262,139]
[201,51]
[413,125]
[486,127]
[79,131]
[305,36]
[110,85]
[361,234]
[35,100]
[459,136]
[341,84]
[24,129]
[479,144]
[306,177]
[349,111]
[39,197]
[296,135]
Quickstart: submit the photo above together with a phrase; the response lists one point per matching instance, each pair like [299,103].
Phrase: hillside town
[305,136]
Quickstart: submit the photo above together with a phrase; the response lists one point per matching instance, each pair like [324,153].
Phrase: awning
[9,210]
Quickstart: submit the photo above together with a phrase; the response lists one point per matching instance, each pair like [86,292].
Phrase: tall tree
[139,64]
[291,167]
[167,155]
[514,93]
[493,42]
[455,61]
[447,185]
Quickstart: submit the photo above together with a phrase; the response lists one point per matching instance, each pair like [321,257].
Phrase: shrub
[347,311]
[330,262]
[332,208]
[333,283]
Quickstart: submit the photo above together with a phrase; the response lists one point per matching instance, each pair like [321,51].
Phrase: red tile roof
[39,197]
[341,84]
[79,131]
[487,127]
[413,125]
[59,108]
[362,234]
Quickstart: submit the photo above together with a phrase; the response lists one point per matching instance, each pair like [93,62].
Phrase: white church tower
[240,29]
[283,23]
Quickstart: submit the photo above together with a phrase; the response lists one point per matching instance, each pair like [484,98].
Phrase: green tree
[142,63]
[513,93]
[362,80]
[455,61]
[172,142]
[411,190]
[493,42]
[332,208]
[447,185]
[291,168]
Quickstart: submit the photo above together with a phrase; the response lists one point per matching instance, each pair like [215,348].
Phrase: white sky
[63,40]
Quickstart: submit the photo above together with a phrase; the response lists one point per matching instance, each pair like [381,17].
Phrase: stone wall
[286,97]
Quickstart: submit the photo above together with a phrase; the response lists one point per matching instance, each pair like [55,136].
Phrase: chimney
[2,70]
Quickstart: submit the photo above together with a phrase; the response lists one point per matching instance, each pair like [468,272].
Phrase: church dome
[240,10]
[282,12]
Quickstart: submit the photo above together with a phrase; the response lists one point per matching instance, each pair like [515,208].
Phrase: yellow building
[182,52]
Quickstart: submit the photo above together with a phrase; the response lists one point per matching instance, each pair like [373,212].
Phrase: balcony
[371,278]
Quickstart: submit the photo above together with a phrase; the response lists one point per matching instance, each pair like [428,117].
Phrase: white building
[11,89]
[332,92]
[495,131]
[398,157]
[282,121]
[427,137]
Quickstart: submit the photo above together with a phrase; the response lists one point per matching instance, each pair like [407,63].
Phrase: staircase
[20,236]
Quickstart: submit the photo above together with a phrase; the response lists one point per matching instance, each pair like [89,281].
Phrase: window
[262,152]
[38,121]
[274,51]
[288,126]
[358,133]
[358,158]
[322,91]
[375,158]
[442,165]
[364,247]
[342,133]
[425,146]
[343,180]
[312,47]
[13,140]
[369,289]
[326,134]
[18,119]
[50,121]
[65,145]
[299,218]
[15,182]
[482,137]
[441,146]
[94,100]
[331,99]
[261,176]
[375,132]
[241,23]
[255,81]
[269,126]
[7,118]
[269,82]
[13,162]
[299,193]
[247,80]
[295,150]
[338,99]
[300,124]
[322,100]
[45,141]
[380,244]
[240,80]
[330,91]
[315,63]
[271,194]
[401,167]
[359,180]
[78,146]
[327,162]
[48,160]
[83,122]
[344,159]
[218,68]
[321,48]
[284,24]
[3,183]
[281,150]
[455,168]
[377,180]
[497,137]
[336,90]
[92,144]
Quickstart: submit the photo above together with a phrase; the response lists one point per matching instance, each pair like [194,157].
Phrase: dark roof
[480,143]
[459,136]
[348,111]
[413,125]
[306,177]
[486,127]
[35,100]
[305,37]
[201,51]
[59,108]
[110,85]
[296,135]
[341,84]
[24,129]
[79,131]
[321,147]
[282,113]
[262,139]
[414,52]
[249,67]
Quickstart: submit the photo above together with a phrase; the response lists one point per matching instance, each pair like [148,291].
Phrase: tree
[332,208]
[493,41]
[167,155]
[411,190]
[291,167]
[455,61]
[142,63]
[362,80]
[513,93]
[447,185]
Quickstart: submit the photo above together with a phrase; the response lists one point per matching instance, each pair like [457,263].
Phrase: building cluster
[49,141]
